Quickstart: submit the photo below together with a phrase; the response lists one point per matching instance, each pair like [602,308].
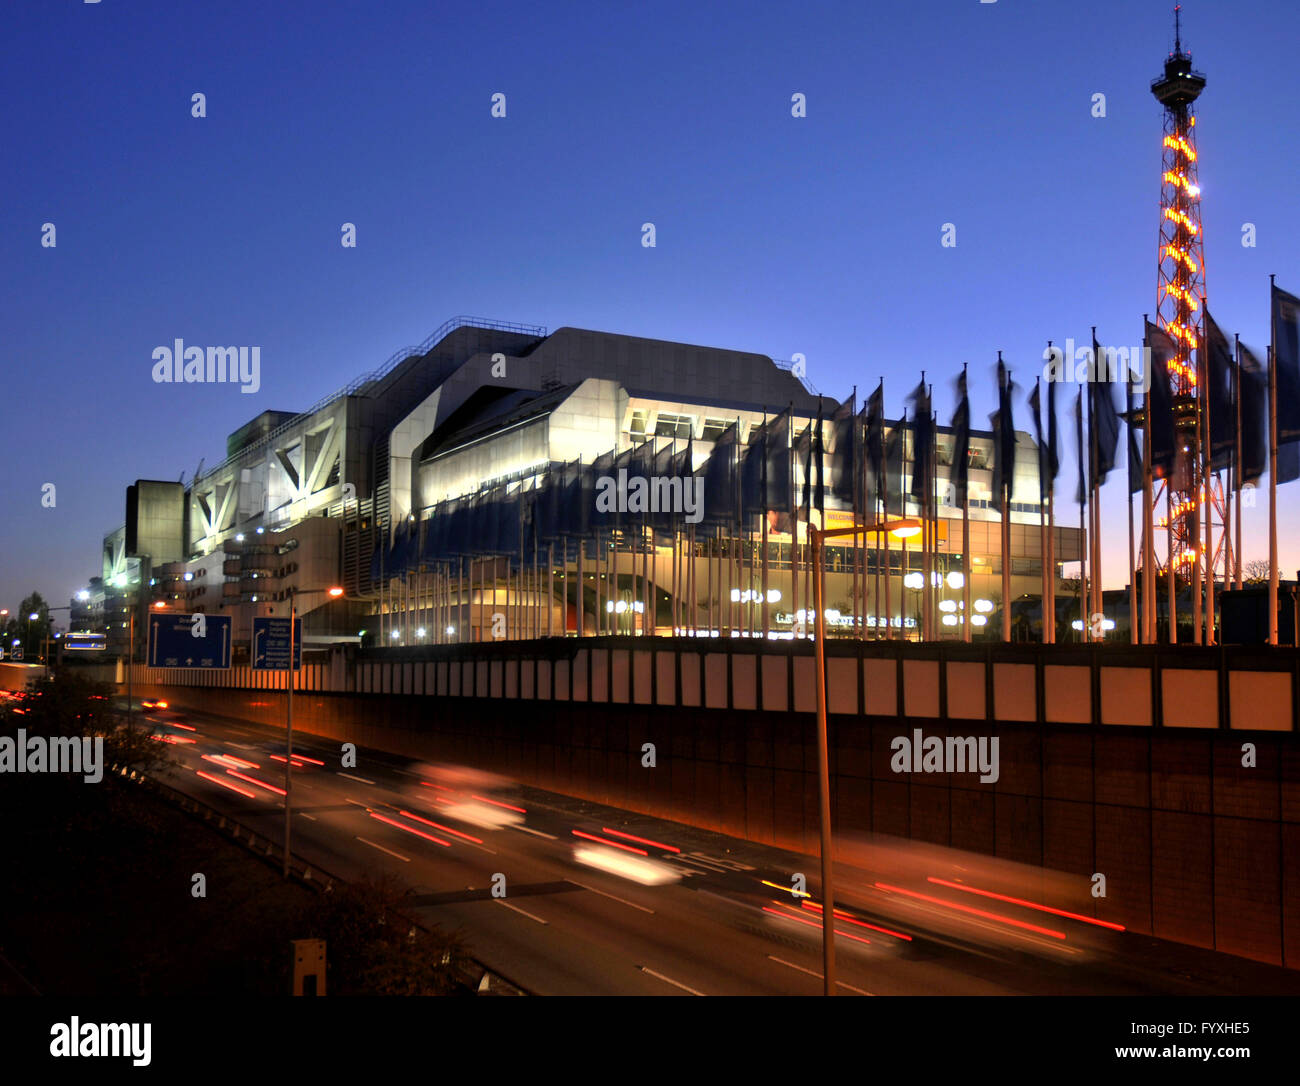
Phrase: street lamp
[335,593]
[45,641]
[899,529]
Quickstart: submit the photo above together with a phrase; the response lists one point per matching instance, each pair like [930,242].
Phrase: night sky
[818,235]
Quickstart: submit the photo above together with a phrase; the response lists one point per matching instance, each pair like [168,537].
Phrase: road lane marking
[240,746]
[537,833]
[708,865]
[669,980]
[819,976]
[405,859]
[349,776]
[602,893]
[356,803]
[522,912]
[306,815]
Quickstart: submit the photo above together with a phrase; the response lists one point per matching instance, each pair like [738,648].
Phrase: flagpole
[871,509]
[853,483]
[581,603]
[922,507]
[1236,464]
[1094,499]
[1083,533]
[1132,561]
[1005,498]
[1172,567]
[1042,508]
[762,513]
[933,496]
[965,520]
[927,461]
[795,508]
[884,500]
[862,489]
[1272,490]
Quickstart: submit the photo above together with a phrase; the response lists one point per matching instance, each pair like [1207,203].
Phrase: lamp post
[900,529]
[335,593]
[45,643]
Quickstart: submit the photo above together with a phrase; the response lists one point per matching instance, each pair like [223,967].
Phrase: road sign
[18,653]
[201,641]
[271,644]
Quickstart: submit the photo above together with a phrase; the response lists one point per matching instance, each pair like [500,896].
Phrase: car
[152,705]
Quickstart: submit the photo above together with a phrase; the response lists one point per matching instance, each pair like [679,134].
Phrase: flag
[1254,418]
[1035,405]
[1136,477]
[664,471]
[893,468]
[922,443]
[1081,492]
[1053,446]
[804,452]
[753,471]
[1004,441]
[777,480]
[1223,406]
[843,450]
[1159,402]
[435,538]
[398,556]
[874,457]
[720,480]
[961,444]
[1104,417]
[1286,358]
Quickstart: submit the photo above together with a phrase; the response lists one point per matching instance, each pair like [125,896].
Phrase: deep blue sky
[778,235]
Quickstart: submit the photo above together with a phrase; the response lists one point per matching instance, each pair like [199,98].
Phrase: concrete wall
[1128,764]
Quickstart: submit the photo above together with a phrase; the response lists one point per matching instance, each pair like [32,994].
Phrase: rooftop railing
[355,387]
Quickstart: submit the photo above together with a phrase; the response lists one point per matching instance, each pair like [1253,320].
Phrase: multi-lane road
[591,900]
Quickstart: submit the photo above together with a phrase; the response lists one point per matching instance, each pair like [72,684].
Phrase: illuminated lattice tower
[1181,293]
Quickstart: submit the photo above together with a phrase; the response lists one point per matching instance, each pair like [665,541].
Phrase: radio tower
[1180,308]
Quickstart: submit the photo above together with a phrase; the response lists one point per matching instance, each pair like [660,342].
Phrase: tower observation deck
[1180,308]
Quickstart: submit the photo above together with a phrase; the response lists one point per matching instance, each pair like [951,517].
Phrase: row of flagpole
[749,493]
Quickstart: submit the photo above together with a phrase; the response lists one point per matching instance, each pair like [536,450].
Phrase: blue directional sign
[271,644]
[201,641]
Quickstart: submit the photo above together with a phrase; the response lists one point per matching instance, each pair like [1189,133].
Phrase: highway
[723,920]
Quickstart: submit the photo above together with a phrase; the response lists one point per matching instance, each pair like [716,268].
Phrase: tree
[30,632]
[1255,572]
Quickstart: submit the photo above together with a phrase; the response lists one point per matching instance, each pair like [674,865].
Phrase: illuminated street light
[290,678]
